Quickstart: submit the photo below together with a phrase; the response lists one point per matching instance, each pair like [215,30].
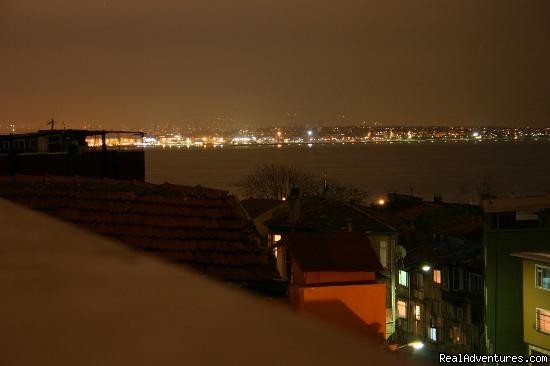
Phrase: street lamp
[426,268]
[416,345]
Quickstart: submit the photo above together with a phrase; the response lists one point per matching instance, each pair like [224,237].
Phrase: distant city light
[309,133]
[381,202]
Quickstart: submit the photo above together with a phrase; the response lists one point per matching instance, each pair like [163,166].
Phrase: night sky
[134,63]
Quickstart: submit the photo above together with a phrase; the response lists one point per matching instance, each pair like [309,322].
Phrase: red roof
[336,251]
[201,227]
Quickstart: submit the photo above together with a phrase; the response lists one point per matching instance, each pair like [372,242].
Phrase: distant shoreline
[327,144]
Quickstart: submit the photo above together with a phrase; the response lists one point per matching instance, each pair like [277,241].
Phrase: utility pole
[51,123]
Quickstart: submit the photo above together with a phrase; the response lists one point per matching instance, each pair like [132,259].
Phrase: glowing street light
[381,202]
[309,133]
[426,268]
[416,345]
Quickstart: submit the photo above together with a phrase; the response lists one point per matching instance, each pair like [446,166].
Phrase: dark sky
[134,63]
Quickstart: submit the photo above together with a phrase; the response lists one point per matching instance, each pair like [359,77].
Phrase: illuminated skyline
[133,63]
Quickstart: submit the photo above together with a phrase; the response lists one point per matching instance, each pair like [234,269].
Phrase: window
[384,254]
[459,313]
[272,239]
[459,276]
[275,250]
[543,277]
[417,312]
[432,334]
[437,276]
[402,309]
[476,283]
[445,279]
[403,278]
[543,321]
[451,311]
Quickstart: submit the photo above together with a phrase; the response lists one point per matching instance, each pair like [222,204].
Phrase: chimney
[350,225]
[294,205]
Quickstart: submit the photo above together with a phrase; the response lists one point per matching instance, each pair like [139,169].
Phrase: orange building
[333,276]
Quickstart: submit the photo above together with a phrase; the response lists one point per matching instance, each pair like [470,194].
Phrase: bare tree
[276,181]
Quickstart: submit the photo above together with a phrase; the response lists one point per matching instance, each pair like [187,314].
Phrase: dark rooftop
[339,251]
[200,227]
[257,206]
[326,215]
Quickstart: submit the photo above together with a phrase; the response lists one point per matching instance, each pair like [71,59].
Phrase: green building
[511,225]
[536,302]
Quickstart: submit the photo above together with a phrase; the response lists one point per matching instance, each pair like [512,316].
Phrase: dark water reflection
[451,169]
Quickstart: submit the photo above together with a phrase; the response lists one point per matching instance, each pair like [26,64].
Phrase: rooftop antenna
[51,123]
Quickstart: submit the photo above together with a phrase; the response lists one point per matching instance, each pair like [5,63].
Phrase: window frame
[537,321]
[432,334]
[406,278]
[541,268]
[404,306]
[436,275]
[417,312]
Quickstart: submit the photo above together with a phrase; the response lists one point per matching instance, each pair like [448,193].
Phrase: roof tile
[201,227]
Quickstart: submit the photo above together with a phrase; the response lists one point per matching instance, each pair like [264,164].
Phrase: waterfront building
[71,153]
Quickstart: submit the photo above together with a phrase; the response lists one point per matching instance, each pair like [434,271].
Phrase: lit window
[543,277]
[384,254]
[543,321]
[437,276]
[401,309]
[432,333]
[275,250]
[403,278]
[276,238]
[417,312]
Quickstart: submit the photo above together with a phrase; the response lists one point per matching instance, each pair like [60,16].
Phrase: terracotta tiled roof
[257,206]
[340,251]
[201,227]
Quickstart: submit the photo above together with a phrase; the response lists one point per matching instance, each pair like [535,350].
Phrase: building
[511,225]
[201,228]
[536,301]
[326,216]
[440,298]
[334,277]
[439,268]
[71,153]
